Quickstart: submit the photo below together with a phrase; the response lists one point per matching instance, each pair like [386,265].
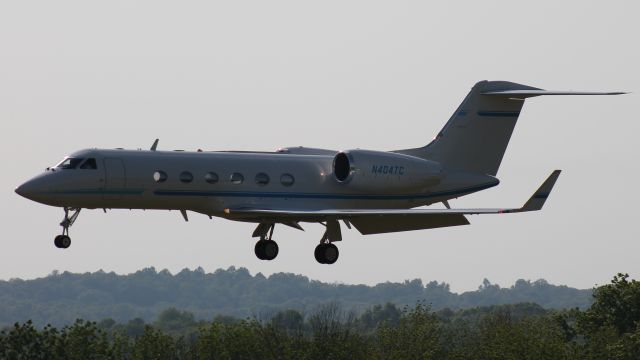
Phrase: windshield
[90,163]
[69,163]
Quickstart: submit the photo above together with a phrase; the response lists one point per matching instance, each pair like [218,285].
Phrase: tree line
[608,329]
[60,298]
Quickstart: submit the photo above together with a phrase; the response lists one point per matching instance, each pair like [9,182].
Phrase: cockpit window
[69,163]
[90,164]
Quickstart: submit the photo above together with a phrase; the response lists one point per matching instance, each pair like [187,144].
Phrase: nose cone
[28,189]
[20,190]
[33,189]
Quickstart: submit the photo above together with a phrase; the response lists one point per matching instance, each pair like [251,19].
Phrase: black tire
[56,241]
[65,241]
[259,249]
[318,253]
[270,250]
[330,254]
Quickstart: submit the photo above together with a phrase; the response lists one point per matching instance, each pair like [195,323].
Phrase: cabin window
[236,178]
[211,177]
[262,179]
[287,179]
[69,163]
[160,176]
[89,164]
[186,177]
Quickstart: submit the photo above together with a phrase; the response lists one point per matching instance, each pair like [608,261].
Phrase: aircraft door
[115,179]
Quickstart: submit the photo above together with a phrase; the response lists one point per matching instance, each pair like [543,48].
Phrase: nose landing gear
[64,241]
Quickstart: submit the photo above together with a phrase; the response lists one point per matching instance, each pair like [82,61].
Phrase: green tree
[210,344]
[610,327]
[499,335]
[84,340]
[289,320]
[334,335]
[616,304]
[154,344]
[174,320]
[244,339]
[372,318]
[24,341]
[121,345]
[416,336]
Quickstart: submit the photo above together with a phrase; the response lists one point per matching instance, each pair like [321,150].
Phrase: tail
[476,136]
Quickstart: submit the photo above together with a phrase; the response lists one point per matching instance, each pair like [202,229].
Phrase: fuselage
[210,182]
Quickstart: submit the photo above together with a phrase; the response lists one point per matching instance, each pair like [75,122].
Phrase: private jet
[374,191]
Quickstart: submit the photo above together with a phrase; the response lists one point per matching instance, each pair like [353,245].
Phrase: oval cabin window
[211,177]
[186,177]
[262,179]
[160,176]
[236,178]
[287,179]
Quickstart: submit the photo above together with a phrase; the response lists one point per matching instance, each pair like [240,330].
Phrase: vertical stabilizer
[477,134]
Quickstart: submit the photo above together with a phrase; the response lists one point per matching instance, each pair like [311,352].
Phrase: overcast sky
[384,75]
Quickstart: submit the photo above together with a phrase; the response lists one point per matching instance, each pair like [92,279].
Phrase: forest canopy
[608,329]
[61,298]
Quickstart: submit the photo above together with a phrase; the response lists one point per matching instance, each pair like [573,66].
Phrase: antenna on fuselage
[155,145]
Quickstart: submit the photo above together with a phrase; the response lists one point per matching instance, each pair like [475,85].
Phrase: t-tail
[476,136]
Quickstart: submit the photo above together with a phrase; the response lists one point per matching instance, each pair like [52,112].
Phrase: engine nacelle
[368,170]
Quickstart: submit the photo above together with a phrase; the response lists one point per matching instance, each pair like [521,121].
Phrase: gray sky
[335,74]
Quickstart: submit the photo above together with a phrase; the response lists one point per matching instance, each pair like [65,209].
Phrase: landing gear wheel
[266,249]
[270,249]
[318,253]
[259,250]
[62,241]
[65,241]
[326,253]
[330,254]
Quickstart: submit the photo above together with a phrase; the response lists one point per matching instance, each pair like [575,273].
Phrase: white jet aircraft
[373,191]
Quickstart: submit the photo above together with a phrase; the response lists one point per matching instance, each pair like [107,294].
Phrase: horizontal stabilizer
[521,94]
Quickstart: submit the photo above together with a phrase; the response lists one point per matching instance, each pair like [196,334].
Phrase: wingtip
[537,200]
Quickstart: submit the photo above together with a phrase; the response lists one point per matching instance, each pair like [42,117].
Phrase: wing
[373,221]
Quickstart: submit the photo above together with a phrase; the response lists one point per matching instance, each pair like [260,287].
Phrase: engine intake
[341,166]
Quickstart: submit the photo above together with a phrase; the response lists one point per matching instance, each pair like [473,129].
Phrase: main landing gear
[64,241]
[266,248]
[325,253]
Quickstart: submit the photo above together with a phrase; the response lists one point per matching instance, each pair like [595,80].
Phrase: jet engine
[367,170]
